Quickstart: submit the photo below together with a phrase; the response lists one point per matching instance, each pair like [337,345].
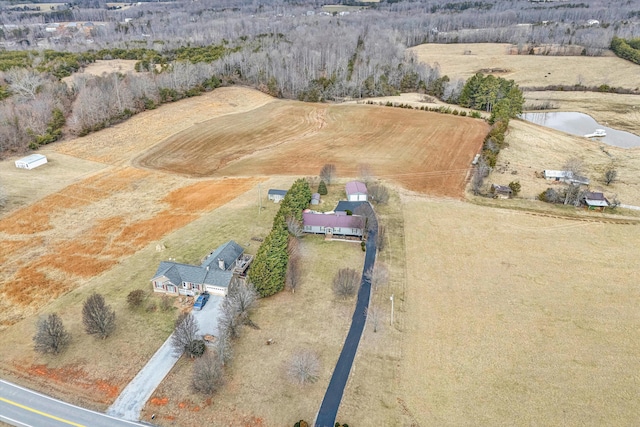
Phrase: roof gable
[356,187]
[228,253]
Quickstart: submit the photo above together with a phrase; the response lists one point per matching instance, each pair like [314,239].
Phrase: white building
[31,162]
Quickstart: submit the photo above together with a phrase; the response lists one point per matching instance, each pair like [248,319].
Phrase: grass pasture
[528,70]
[293,138]
[501,326]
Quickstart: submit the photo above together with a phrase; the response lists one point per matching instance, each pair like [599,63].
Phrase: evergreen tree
[322,188]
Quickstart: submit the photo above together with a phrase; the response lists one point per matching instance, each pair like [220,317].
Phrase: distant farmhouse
[213,275]
[276,195]
[356,191]
[565,176]
[595,201]
[501,191]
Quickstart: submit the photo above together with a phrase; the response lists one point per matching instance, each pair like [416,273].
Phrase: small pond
[583,124]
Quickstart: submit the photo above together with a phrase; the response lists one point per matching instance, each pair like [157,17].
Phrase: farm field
[92,372]
[292,138]
[528,70]
[500,325]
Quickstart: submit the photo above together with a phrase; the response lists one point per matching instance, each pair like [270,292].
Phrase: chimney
[221,264]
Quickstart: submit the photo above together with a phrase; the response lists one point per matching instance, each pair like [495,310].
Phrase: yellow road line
[44,414]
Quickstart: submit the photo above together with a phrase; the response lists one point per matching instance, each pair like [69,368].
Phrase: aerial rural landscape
[162,165]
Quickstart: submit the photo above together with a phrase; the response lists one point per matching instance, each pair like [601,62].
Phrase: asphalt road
[25,408]
[329,408]
[134,396]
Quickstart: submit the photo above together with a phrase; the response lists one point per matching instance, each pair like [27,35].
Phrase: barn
[276,195]
[356,191]
[31,162]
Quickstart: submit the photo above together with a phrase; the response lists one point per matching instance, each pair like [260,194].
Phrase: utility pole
[259,198]
[391,298]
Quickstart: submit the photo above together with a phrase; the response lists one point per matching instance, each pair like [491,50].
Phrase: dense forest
[302,50]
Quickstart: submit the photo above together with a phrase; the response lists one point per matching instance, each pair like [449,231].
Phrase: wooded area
[295,51]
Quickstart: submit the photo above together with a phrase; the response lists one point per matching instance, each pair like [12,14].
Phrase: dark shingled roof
[344,206]
[209,272]
[278,192]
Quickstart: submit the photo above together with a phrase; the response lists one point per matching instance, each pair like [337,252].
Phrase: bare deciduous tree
[293,247]
[294,273]
[378,275]
[242,298]
[610,175]
[575,166]
[374,316]
[304,367]
[365,173]
[378,193]
[480,172]
[97,317]
[24,82]
[223,347]
[345,282]
[51,335]
[3,197]
[294,227]
[381,237]
[328,173]
[186,331]
[208,375]
[228,320]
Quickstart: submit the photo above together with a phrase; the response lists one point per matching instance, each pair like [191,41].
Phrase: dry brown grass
[118,144]
[258,392]
[528,70]
[533,148]
[87,227]
[512,318]
[96,370]
[286,137]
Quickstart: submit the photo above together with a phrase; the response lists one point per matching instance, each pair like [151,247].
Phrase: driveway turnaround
[25,408]
[134,396]
[329,409]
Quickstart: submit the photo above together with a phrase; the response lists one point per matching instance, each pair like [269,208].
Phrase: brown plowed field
[425,152]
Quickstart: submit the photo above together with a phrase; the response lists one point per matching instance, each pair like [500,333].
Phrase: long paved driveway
[25,408]
[132,399]
[329,408]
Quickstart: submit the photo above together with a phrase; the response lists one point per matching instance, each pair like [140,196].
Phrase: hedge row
[269,266]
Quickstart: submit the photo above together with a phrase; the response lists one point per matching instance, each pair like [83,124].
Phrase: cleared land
[464,60]
[53,245]
[425,152]
[500,325]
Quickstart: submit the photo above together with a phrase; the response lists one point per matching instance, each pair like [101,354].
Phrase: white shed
[31,162]
[356,191]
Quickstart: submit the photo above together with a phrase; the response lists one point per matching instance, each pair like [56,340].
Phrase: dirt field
[51,246]
[528,70]
[501,326]
[286,137]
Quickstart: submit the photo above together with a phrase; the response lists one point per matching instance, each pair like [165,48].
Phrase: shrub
[135,298]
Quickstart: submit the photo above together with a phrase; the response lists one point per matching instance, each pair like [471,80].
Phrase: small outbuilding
[595,201]
[31,162]
[356,191]
[276,195]
[565,176]
[501,191]
[315,199]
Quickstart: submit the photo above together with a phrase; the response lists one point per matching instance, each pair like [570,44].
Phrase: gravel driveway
[134,396]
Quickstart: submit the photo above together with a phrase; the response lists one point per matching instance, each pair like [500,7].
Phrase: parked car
[201,301]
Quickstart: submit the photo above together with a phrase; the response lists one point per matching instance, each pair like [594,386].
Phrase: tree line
[627,49]
[269,268]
